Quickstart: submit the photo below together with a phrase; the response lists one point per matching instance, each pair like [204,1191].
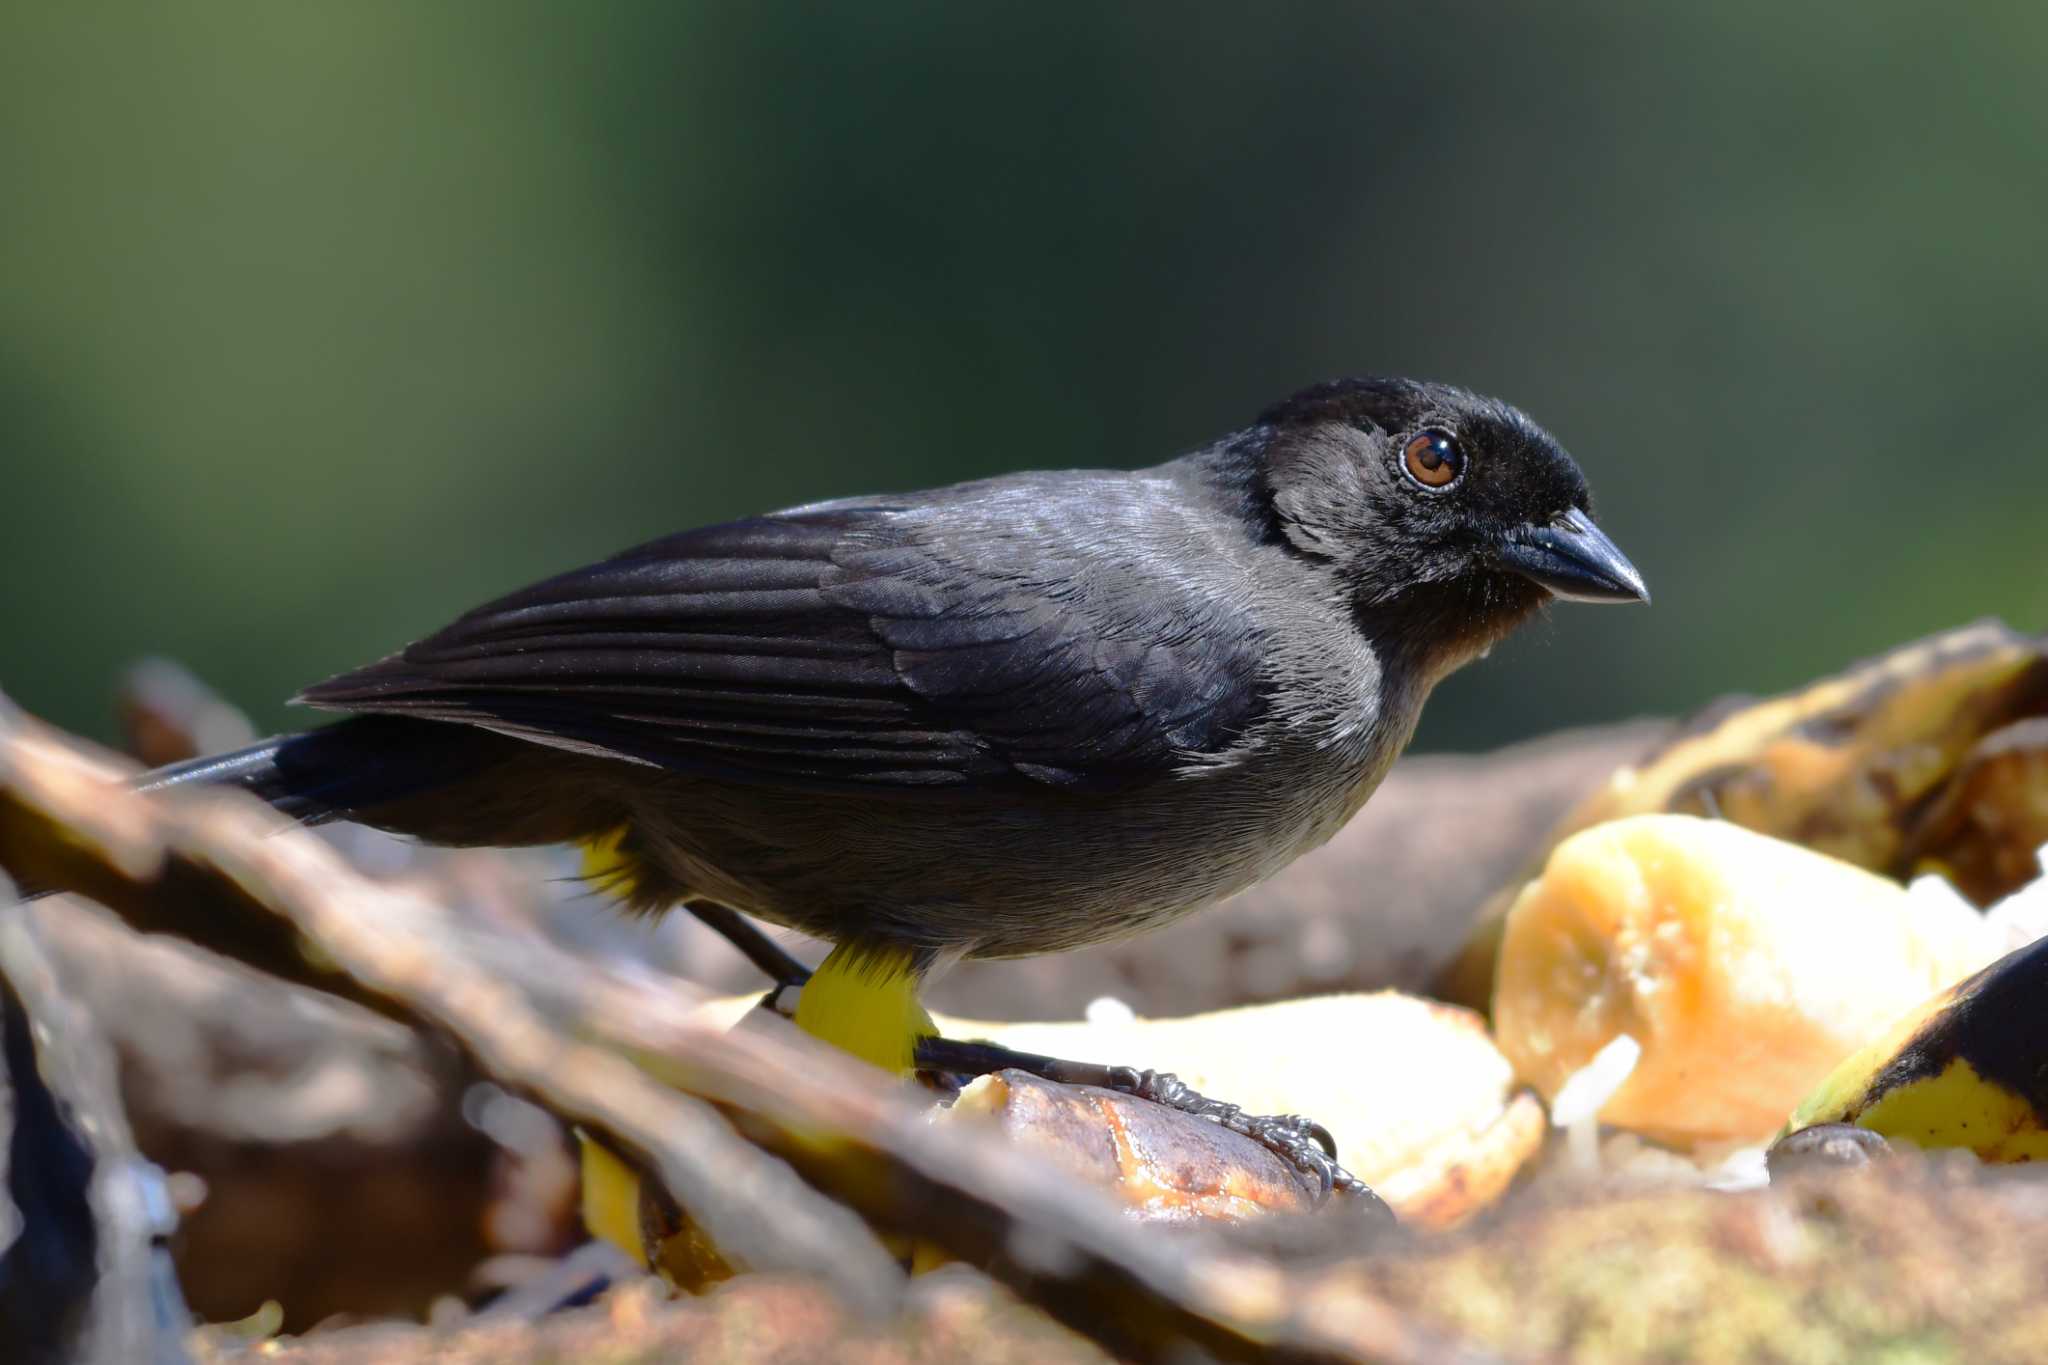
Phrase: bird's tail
[253,769]
[338,770]
[355,767]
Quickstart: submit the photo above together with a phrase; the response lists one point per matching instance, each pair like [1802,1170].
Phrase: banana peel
[1166,1166]
[1982,832]
[1849,767]
[1966,1069]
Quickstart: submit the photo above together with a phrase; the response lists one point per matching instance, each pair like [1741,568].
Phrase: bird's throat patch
[862,999]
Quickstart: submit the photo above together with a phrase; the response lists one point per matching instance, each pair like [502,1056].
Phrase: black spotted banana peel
[1968,1068]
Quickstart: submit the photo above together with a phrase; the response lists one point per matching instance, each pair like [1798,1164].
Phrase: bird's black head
[1448,515]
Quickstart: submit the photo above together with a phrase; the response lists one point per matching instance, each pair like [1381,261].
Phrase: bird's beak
[1574,559]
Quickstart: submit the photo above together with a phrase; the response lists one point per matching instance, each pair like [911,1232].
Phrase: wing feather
[852,646]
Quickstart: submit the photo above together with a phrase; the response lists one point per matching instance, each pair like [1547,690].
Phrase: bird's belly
[989,876]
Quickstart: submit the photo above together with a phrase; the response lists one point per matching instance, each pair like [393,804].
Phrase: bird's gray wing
[861,646]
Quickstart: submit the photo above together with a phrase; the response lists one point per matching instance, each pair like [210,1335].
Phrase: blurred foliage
[322,322]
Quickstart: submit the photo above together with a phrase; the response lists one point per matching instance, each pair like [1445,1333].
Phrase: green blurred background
[319,323]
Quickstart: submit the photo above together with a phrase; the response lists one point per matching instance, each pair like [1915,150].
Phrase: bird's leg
[773,960]
[1301,1142]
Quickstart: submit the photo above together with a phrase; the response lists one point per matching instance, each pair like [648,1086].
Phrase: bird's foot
[1824,1147]
[1301,1142]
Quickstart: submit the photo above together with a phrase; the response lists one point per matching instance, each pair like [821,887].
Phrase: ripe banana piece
[1744,966]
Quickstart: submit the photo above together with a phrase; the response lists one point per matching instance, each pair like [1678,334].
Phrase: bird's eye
[1433,458]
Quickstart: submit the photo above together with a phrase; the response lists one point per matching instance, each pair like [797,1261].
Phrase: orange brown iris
[1433,459]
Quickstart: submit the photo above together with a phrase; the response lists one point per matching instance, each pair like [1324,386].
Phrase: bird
[1006,717]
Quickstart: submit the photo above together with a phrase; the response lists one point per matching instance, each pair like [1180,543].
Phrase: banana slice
[1744,966]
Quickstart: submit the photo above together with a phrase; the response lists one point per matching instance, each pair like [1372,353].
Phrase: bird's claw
[1301,1142]
[1824,1147]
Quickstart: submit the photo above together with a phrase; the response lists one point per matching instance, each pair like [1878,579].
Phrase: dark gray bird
[1007,717]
